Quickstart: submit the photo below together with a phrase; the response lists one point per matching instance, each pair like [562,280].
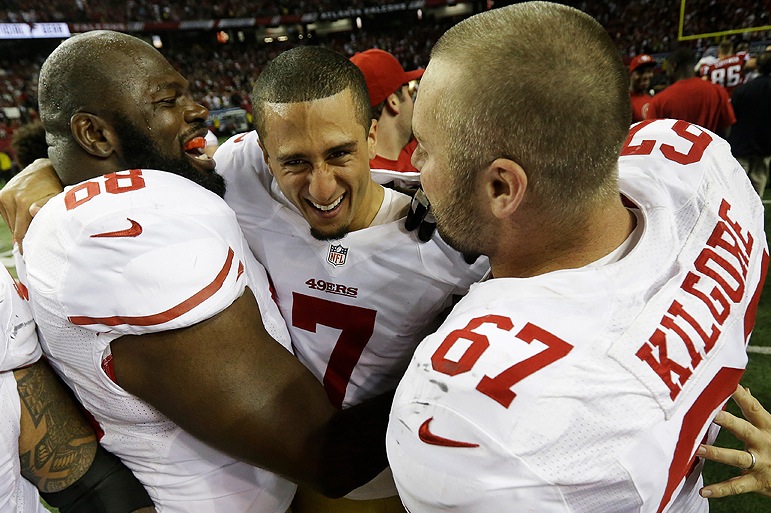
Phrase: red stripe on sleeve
[168,315]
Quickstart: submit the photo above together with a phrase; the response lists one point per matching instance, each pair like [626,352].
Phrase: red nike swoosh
[135,230]
[428,437]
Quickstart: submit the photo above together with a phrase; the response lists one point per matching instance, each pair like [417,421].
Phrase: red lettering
[91,190]
[702,265]
[737,230]
[664,367]
[699,144]
[677,310]
[689,285]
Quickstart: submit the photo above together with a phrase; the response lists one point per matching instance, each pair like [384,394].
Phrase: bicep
[56,442]
[227,382]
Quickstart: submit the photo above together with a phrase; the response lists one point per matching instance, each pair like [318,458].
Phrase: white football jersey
[136,252]
[355,307]
[19,347]
[589,390]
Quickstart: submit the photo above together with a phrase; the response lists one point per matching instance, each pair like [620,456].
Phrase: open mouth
[194,149]
[329,209]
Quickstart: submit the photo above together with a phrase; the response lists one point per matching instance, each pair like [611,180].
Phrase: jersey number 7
[356,324]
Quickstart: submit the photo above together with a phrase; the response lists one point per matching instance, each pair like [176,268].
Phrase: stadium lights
[358,22]
[283,38]
[420,14]
[157,43]
[268,39]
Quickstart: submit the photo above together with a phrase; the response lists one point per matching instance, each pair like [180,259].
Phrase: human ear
[93,134]
[265,156]
[372,139]
[505,183]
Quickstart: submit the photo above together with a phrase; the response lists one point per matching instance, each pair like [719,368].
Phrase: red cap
[383,73]
[641,60]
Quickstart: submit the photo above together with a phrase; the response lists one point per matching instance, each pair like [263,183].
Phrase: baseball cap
[641,60]
[383,73]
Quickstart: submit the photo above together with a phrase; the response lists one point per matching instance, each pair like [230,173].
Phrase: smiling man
[152,308]
[358,291]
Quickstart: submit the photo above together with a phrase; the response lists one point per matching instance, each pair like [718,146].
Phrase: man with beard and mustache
[152,308]
[358,291]
[627,266]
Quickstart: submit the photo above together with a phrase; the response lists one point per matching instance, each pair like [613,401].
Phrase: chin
[329,234]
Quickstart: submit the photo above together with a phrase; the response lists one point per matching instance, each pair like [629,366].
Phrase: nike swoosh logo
[133,231]
[428,437]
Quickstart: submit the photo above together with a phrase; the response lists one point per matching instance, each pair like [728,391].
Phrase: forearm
[227,384]
[50,420]
[60,455]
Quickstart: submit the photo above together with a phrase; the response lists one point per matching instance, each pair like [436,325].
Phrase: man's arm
[227,382]
[59,453]
[25,193]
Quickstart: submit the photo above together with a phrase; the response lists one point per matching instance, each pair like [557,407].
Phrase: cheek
[431,177]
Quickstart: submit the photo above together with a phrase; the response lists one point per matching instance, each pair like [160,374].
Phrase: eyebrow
[158,88]
[347,146]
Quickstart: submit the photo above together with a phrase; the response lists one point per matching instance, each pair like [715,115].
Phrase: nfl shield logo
[337,255]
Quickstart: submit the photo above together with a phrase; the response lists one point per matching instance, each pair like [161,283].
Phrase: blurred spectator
[690,98]
[729,69]
[391,96]
[640,74]
[750,137]
[29,144]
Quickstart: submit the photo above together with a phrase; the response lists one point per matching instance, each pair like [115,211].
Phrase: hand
[756,435]
[24,195]
[419,216]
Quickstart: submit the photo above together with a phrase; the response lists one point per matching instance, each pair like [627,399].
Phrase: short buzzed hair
[78,60]
[544,85]
[308,73]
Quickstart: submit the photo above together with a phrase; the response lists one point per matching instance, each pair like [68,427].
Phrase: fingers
[751,408]
[733,486]
[742,429]
[733,457]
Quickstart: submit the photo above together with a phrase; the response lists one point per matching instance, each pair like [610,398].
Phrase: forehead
[144,71]
[434,94]
[329,119]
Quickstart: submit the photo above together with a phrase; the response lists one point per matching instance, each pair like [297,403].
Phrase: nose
[195,112]
[323,185]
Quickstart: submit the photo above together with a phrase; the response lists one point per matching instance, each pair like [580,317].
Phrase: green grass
[757,378]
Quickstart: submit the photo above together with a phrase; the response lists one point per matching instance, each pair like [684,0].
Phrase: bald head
[542,84]
[85,73]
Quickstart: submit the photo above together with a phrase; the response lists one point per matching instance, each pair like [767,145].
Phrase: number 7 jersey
[589,390]
[356,307]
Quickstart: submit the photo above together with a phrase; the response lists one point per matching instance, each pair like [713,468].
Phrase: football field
[757,378]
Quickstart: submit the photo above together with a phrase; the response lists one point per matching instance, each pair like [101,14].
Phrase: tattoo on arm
[57,444]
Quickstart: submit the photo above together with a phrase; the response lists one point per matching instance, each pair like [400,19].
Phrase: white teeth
[327,208]
[202,156]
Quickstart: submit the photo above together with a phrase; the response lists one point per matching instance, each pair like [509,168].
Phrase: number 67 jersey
[590,389]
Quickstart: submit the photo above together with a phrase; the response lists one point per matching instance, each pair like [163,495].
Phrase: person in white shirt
[583,375]
[47,446]
[153,309]
[357,290]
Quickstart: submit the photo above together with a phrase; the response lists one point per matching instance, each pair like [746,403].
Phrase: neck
[390,140]
[567,246]
[374,199]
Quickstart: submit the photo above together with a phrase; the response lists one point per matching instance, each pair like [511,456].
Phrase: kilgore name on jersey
[717,280]
[332,288]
